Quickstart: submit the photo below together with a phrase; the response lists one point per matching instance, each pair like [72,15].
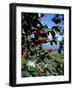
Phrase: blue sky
[46,20]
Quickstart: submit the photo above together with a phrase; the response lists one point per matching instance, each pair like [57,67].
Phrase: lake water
[54,46]
[47,46]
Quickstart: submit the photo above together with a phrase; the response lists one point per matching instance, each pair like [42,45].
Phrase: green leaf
[47,73]
[51,42]
[31,69]
[56,20]
[55,41]
[35,73]
[56,28]
[26,74]
[52,33]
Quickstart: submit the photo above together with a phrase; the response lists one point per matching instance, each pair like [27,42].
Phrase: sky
[46,19]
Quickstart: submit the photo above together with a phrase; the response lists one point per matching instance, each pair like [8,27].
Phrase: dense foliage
[37,61]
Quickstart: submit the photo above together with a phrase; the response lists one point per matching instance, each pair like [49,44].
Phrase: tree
[33,35]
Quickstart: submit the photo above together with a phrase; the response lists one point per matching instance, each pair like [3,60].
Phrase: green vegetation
[43,67]
[37,61]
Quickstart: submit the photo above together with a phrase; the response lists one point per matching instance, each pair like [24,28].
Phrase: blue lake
[54,46]
[47,46]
